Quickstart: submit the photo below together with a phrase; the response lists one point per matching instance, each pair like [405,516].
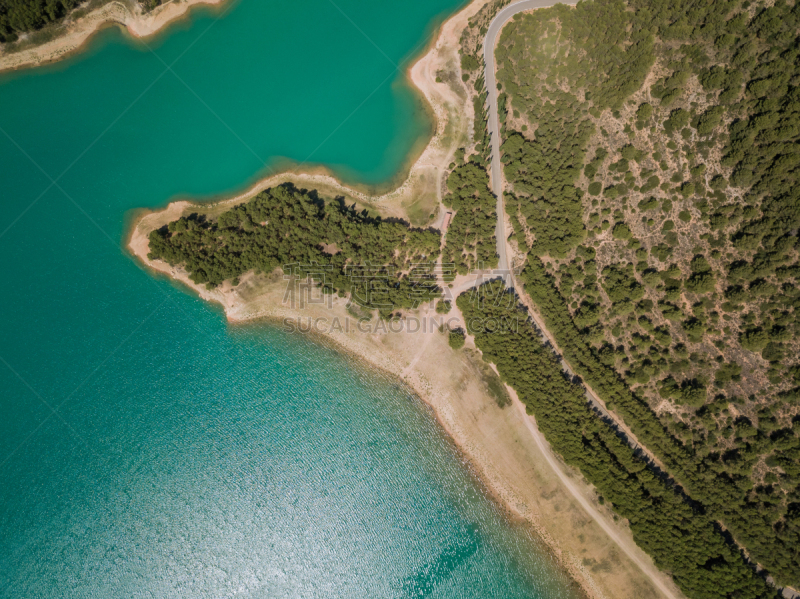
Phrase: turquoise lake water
[147,449]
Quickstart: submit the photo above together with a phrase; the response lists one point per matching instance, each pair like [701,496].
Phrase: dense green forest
[384,265]
[682,539]
[652,150]
[470,241]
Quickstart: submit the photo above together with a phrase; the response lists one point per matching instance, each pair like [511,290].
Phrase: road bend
[494,122]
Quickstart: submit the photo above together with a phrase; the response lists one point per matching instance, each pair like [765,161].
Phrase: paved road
[494,125]
[497,187]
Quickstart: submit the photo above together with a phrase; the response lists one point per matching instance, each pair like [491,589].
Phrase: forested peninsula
[651,160]
[295,230]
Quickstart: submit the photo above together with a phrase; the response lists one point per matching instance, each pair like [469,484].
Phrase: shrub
[701,282]
[469,63]
[754,339]
[650,203]
[677,120]
[456,338]
[621,231]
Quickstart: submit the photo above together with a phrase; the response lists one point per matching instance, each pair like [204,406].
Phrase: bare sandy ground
[73,34]
[504,447]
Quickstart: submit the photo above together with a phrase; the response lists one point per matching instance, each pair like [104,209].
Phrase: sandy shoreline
[516,467]
[72,35]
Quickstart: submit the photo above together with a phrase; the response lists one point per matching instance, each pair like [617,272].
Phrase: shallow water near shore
[148,449]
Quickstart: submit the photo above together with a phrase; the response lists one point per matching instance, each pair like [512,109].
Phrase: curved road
[494,124]
[627,546]
[489,43]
